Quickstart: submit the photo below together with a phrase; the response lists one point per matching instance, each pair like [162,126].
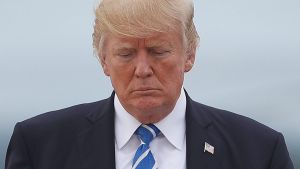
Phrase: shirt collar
[125,124]
[172,126]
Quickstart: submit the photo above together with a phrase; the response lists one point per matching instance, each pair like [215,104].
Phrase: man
[145,47]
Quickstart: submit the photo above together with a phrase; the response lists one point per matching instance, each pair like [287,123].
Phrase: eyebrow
[157,44]
[122,49]
[122,45]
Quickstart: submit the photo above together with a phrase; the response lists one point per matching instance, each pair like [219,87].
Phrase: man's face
[147,73]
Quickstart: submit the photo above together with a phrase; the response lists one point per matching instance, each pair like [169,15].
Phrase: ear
[189,62]
[103,60]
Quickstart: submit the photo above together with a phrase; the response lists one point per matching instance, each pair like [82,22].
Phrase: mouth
[145,90]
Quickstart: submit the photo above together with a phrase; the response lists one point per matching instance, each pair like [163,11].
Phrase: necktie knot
[147,132]
[143,158]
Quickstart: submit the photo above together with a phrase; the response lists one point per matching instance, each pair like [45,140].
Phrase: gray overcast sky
[248,60]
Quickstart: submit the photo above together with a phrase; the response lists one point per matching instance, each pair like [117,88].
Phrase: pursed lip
[145,89]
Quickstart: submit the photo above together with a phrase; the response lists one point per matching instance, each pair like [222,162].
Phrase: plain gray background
[248,61]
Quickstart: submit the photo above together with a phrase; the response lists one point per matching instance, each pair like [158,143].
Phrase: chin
[148,104]
[148,120]
[150,110]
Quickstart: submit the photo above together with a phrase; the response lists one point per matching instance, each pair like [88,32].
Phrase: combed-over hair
[143,18]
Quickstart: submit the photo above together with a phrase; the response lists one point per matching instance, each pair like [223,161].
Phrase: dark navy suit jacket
[82,137]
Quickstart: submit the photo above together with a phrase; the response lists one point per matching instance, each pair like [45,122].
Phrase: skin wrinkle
[144,18]
[147,84]
[144,47]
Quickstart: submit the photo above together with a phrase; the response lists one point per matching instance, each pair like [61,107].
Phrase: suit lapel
[96,143]
[200,129]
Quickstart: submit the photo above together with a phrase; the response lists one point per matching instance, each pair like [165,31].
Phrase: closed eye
[125,53]
[159,52]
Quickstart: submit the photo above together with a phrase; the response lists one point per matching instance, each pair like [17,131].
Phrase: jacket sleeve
[17,156]
[280,157]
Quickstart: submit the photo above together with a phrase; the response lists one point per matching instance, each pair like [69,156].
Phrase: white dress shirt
[168,148]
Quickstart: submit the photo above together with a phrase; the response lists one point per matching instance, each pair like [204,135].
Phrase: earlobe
[105,70]
[104,65]
[188,66]
[189,63]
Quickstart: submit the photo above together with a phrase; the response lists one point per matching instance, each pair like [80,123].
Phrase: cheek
[120,75]
[171,72]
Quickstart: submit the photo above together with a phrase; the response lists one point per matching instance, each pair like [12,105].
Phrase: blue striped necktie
[143,158]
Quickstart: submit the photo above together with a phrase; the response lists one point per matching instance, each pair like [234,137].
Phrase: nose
[143,68]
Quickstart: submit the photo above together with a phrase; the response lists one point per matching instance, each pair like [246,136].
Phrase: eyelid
[159,50]
[124,52]
[126,55]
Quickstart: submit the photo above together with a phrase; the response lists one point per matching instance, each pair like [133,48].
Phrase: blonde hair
[143,18]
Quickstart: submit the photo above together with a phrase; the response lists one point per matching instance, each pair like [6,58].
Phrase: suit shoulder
[62,118]
[229,121]
[241,139]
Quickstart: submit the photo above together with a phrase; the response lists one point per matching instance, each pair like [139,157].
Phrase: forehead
[169,38]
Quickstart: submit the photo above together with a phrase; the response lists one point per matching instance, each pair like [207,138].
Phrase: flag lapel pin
[209,148]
